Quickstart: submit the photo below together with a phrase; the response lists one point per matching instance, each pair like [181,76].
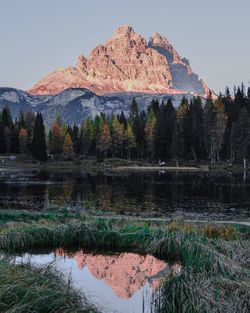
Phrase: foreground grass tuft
[26,289]
[203,293]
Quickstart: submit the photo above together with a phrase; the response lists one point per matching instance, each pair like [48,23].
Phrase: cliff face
[183,77]
[127,63]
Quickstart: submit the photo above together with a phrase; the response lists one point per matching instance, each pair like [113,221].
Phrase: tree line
[217,130]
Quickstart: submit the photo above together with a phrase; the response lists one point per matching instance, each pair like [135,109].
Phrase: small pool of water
[121,283]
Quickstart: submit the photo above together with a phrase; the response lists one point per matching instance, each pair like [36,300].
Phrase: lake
[189,195]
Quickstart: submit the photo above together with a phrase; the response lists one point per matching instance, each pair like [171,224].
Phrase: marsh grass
[61,215]
[203,293]
[214,259]
[27,289]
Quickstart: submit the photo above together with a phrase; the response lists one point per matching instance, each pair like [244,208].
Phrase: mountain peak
[124,31]
[157,38]
[127,63]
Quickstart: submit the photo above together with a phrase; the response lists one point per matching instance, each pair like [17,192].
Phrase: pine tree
[118,137]
[7,129]
[151,133]
[217,130]
[226,149]
[138,124]
[96,131]
[15,138]
[75,139]
[170,120]
[241,137]
[184,125]
[134,111]
[87,137]
[122,119]
[6,118]
[130,141]
[29,121]
[209,116]
[197,130]
[1,134]
[21,122]
[39,148]
[165,124]
[154,106]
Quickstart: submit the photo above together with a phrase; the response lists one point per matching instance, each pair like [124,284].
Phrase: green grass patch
[61,215]
[27,289]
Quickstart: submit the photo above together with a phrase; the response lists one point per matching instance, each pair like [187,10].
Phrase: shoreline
[114,165]
[168,219]
[161,168]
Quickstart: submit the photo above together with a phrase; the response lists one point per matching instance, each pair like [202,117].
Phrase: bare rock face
[183,77]
[126,63]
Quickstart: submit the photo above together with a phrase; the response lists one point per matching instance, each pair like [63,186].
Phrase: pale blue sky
[37,37]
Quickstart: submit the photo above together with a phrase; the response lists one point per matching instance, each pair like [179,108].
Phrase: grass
[215,258]
[203,293]
[26,289]
[34,216]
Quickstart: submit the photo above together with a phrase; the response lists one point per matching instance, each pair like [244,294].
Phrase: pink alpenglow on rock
[125,273]
[127,63]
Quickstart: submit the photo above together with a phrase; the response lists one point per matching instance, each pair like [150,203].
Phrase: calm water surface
[121,283]
[204,195]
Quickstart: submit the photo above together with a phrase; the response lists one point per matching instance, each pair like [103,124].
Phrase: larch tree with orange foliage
[23,140]
[105,140]
[68,146]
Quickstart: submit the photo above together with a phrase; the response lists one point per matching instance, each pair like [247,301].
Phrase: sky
[39,36]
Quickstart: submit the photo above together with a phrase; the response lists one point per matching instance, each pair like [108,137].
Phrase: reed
[27,289]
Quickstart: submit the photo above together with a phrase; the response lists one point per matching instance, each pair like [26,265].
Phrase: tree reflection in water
[192,195]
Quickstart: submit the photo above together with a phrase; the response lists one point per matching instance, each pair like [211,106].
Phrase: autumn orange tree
[105,140]
[57,141]
[68,145]
[23,140]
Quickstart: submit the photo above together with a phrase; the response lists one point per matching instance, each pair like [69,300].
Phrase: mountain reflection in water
[125,282]
[125,273]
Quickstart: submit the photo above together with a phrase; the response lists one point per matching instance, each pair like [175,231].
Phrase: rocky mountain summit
[127,63]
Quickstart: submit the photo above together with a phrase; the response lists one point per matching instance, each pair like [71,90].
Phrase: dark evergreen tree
[241,137]
[164,131]
[154,106]
[138,122]
[6,118]
[226,149]
[197,130]
[39,147]
[184,121]
[123,120]
[7,129]
[209,117]
[134,111]
[15,138]
[75,139]
[21,122]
